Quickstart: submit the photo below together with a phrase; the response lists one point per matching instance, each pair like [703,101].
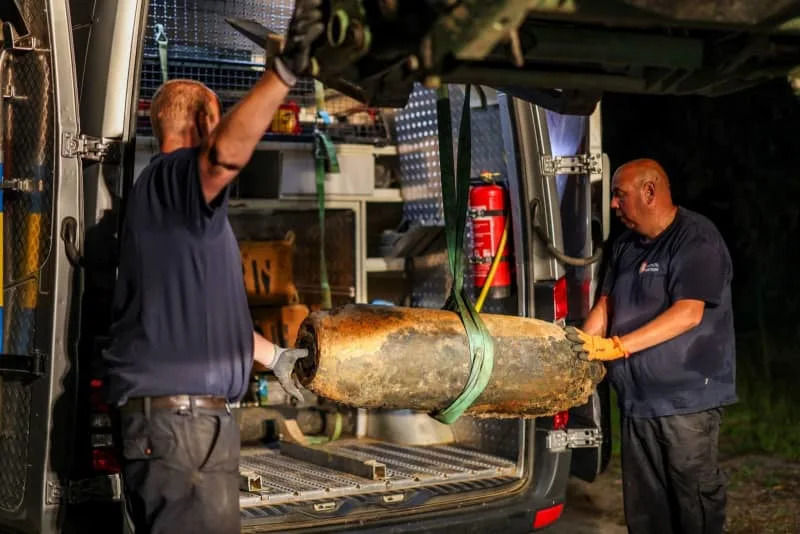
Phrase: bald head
[643,170]
[641,196]
[183,112]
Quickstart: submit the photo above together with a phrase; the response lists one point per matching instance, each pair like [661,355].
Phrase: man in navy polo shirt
[665,305]
[183,341]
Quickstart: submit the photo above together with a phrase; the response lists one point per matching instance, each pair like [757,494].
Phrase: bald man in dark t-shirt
[665,305]
[183,342]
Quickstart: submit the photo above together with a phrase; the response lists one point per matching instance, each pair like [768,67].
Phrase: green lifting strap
[162,41]
[325,160]
[455,190]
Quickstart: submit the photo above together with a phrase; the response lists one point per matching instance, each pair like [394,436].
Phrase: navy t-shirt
[181,323]
[696,370]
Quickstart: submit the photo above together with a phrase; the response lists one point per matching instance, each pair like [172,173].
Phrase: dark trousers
[181,471]
[671,480]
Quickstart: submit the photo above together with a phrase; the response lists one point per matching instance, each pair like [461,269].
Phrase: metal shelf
[239,205]
[388,150]
[383,265]
[357,204]
[386,195]
[378,195]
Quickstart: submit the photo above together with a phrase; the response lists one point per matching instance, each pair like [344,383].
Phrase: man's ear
[201,123]
[649,191]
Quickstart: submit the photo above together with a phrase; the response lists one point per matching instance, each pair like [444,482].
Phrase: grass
[766,420]
[759,445]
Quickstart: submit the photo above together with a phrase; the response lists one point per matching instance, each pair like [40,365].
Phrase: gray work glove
[283,367]
[305,27]
[576,343]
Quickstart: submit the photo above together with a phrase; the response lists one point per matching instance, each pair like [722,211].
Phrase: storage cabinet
[373,209]
[275,192]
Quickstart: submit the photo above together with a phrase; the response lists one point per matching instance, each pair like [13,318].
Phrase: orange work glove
[591,348]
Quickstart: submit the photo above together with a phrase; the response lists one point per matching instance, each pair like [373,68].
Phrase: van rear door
[40,204]
[555,157]
[582,182]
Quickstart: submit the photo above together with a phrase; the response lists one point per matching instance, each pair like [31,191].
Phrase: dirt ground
[763,498]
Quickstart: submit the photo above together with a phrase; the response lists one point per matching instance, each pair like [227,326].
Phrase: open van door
[40,216]
[559,162]
[584,201]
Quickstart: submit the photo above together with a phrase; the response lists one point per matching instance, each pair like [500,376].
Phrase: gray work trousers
[180,471]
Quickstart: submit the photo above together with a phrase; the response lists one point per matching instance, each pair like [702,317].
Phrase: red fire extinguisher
[489,214]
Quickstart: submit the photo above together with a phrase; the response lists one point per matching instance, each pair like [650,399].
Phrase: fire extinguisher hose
[501,248]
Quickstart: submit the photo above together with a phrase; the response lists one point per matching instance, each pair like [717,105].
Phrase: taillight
[96,403]
[551,300]
[586,295]
[547,516]
[560,299]
[560,420]
[101,436]
[104,460]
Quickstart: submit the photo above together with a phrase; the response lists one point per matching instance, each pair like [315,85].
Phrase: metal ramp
[286,480]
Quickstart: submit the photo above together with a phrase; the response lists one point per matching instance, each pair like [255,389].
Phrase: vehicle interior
[383,243]
[76,79]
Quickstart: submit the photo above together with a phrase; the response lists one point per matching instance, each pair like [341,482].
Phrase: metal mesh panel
[28,143]
[495,436]
[15,400]
[15,403]
[418,143]
[35,17]
[418,137]
[29,154]
[197,28]
[431,281]
[487,139]
[202,46]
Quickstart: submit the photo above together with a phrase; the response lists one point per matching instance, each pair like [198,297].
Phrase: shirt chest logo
[653,267]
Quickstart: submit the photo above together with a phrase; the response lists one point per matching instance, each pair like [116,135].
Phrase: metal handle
[69,234]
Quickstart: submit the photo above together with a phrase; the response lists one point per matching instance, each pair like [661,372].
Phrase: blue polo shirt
[181,323]
[696,370]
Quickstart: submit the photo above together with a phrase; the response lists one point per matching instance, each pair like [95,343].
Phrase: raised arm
[230,145]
